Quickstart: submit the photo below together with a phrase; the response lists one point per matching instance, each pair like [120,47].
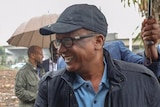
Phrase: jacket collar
[115,75]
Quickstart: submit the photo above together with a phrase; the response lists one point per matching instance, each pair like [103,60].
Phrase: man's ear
[32,55]
[99,41]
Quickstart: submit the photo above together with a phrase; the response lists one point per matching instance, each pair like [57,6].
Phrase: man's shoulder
[113,45]
[52,74]
[25,70]
[133,68]
[108,43]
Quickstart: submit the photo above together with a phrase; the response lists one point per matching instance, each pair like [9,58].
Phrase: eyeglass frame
[72,39]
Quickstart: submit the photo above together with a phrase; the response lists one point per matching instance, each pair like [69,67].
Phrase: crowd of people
[84,70]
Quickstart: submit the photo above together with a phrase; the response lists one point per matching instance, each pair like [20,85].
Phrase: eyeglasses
[67,42]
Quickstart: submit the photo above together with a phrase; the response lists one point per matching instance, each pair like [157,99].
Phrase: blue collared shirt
[85,94]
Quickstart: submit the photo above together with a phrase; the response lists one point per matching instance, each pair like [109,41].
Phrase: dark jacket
[131,85]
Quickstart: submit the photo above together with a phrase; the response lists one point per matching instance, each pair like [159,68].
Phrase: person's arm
[129,56]
[150,34]
[119,51]
[155,66]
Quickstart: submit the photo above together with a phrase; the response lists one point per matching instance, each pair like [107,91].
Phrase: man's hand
[150,34]
[150,30]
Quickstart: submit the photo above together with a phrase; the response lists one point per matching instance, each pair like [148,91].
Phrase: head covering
[76,17]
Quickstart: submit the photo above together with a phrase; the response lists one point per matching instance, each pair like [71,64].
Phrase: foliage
[3,56]
[4,67]
[143,9]
[2,51]
[143,5]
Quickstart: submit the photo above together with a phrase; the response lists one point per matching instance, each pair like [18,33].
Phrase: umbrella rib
[30,39]
[42,41]
[19,39]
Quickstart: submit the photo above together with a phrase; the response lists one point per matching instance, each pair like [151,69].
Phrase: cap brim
[58,28]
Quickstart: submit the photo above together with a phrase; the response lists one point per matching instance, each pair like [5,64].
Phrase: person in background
[92,78]
[119,51]
[55,62]
[27,78]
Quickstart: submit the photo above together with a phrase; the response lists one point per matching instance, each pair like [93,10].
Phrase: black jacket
[131,85]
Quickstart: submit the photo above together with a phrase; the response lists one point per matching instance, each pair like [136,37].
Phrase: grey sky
[14,12]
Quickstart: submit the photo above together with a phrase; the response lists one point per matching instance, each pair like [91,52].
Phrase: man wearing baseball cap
[92,78]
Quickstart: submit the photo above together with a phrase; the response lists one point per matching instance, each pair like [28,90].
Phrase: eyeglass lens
[68,41]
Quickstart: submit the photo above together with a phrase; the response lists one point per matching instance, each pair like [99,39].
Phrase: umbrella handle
[149,43]
[149,8]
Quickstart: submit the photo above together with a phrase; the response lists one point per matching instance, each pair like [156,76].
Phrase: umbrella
[27,33]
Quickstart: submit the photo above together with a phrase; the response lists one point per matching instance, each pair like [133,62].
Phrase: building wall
[136,46]
[19,54]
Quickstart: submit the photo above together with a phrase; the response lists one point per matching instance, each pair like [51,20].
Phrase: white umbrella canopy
[27,33]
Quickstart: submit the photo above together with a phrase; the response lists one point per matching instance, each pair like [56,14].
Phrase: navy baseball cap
[78,16]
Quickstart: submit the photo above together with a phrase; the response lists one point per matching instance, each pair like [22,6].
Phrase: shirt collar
[78,82]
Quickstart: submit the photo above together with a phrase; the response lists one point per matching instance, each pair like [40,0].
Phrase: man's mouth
[68,59]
